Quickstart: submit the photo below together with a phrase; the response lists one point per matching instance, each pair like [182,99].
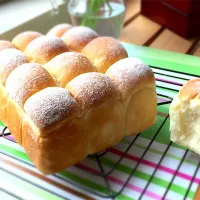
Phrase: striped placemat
[158,168]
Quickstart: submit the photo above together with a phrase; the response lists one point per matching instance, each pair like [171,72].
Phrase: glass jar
[106,17]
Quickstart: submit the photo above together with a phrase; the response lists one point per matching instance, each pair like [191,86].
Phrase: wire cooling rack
[101,172]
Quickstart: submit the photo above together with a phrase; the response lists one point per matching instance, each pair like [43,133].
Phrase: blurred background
[164,24]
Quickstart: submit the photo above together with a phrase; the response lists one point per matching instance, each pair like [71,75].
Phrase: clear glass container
[106,17]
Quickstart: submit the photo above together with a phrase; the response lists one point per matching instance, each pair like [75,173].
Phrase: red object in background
[181,16]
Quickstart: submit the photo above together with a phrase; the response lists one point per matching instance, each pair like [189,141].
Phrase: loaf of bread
[64,109]
[185,116]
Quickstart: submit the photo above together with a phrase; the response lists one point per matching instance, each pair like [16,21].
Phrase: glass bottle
[106,17]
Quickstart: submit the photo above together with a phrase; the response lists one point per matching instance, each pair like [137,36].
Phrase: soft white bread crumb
[185,117]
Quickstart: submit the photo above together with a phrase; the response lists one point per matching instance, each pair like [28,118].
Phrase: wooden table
[140,30]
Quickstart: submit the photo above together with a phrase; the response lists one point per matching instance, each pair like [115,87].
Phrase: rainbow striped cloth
[166,170]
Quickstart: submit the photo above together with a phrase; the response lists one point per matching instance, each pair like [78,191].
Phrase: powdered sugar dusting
[44,48]
[67,66]
[4,44]
[128,72]
[9,60]
[92,89]
[26,80]
[103,52]
[77,37]
[50,106]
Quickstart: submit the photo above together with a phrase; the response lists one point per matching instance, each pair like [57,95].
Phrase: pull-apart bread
[62,106]
[185,116]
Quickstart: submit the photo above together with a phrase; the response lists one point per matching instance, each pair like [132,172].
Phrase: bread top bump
[26,80]
[22,39]
[9,60]
[59,29]
[130,74]
[51,106]
[77,37]
[103,52]
[42,49]
[67,66]
[92,89]
[190,90]
[4,44]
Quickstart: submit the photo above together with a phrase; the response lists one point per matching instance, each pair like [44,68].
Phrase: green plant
[94,6]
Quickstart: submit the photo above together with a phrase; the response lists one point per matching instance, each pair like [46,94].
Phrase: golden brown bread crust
[140,111]
[26,80]
[3,103]
[44,48]
[190,90]
[14,118]
[21,40]
[4,44]
[104,126]
[64,147]
[103,52]
[59,30]
[103,111]
[67,66]
[51,106]
[130,75]
[9,60]
[136,83]
[77,37]
[92,89]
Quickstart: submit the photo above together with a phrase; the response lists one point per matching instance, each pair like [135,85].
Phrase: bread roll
[77,37]
[136,83]
[10,59]
[103,52]
[53,130]
[44,48]
[103,111]
[59,30]
[21,84]
[185,116]
[67,66]
[4,44]
[21,40]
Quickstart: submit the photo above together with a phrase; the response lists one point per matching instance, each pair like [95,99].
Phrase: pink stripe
[120,182]
[163,100]
[168,81]
[154,165]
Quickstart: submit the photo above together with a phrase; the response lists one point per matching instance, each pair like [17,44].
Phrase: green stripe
[141,175]
[2,124]
[165,59]
[161,153]
[35,191]
[91,184]
[69,175]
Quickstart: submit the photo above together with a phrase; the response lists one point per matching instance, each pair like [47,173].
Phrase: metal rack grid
[100,172]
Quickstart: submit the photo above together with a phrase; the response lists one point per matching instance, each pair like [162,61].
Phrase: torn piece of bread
[185,116]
